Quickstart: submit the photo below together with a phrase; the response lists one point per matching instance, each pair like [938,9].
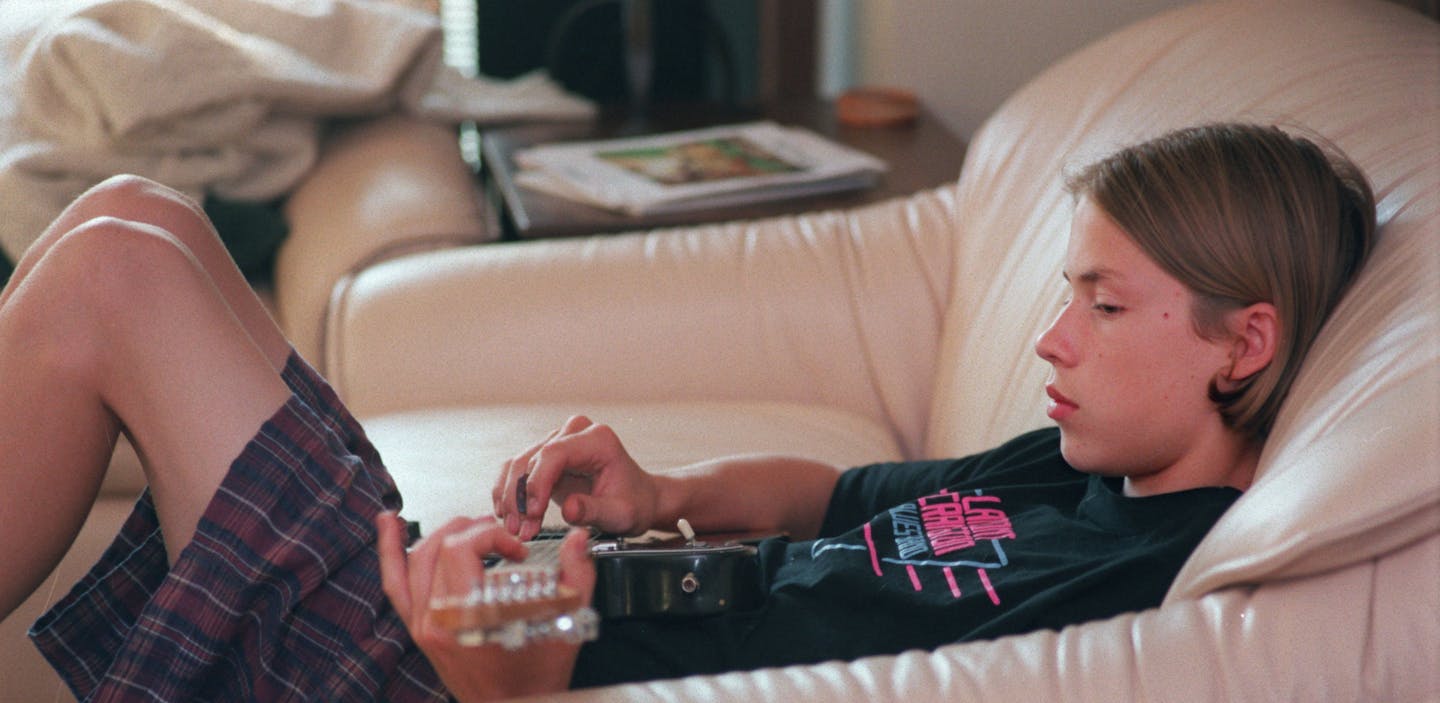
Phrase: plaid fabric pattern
[278,596]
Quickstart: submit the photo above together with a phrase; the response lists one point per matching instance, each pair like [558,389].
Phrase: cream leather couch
[904,330]
[399,186]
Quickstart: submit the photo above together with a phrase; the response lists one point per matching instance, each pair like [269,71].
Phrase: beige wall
[963,57]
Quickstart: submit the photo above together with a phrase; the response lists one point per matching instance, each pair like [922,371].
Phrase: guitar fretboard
[543,552]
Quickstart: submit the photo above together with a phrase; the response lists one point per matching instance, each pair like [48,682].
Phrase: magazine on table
[695,169]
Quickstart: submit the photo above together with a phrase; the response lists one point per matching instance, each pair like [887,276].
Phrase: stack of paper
[696,169]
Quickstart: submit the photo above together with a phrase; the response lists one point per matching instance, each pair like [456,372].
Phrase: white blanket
[214,96]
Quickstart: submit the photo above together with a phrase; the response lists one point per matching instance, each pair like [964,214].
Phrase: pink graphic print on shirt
[945,531]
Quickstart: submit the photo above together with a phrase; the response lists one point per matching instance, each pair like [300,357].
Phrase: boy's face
[1130,375]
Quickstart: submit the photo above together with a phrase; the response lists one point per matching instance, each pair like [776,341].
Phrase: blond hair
[1242,214]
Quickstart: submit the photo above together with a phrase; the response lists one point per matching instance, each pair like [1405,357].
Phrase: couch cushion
[840,309]
[446,460]
[1351,469]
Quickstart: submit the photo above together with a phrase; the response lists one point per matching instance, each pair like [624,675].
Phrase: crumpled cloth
[226,97]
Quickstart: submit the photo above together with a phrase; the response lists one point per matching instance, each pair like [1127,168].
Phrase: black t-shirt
[922,554]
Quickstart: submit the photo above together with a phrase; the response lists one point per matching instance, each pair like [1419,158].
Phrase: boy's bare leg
[136,199]
[117,323]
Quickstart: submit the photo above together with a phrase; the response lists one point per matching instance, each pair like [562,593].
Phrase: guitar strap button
[689,583]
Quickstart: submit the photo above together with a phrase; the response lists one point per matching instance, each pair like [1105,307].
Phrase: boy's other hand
[586,470]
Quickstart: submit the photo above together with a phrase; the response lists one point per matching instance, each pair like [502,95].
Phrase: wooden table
[920,155]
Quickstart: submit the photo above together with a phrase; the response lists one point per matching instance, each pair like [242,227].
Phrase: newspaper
[695,169]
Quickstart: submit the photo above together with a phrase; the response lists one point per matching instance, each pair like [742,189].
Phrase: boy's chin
[1083,457]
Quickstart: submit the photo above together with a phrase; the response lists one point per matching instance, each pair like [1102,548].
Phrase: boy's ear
[1255,331]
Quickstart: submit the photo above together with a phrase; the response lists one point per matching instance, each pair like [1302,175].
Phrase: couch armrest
[838,308]
[1319,638]
[380,189]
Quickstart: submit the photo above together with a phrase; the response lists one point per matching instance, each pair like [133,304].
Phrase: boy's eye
[1105,309]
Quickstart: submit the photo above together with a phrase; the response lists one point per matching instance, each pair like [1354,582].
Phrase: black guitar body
[661,577]
[674,578]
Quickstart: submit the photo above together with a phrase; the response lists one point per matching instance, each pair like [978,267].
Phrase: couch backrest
[1353,466]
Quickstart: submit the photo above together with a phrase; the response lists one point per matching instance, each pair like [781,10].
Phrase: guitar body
[674,578]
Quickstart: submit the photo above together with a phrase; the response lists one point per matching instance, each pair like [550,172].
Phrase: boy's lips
[1060,407]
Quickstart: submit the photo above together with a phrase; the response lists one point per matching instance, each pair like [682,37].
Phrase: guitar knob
[689,583]
[686,531]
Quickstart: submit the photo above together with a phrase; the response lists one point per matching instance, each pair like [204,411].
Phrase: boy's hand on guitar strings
[583,467]
[448,563]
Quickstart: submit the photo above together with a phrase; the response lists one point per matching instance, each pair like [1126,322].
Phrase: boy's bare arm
[585,469]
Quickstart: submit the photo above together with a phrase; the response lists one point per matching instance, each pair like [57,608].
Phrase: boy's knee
[92,278]
[138,198]
[131,186]
[115,262]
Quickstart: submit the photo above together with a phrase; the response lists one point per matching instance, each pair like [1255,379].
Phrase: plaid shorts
[276,598]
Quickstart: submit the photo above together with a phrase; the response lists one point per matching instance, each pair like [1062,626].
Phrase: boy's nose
[1051,344]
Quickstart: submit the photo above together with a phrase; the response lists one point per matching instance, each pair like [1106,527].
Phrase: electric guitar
[656,577]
